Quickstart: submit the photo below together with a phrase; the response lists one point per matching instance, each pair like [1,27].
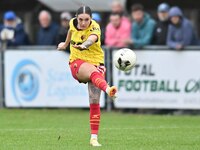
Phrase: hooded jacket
[183,33]
[142,33]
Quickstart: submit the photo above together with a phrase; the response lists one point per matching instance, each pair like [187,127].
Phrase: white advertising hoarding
[42,79]
[161,79]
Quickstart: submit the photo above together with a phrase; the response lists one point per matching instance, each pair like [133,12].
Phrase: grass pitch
[61,129]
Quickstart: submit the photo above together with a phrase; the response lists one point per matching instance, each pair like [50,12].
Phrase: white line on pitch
[117,128]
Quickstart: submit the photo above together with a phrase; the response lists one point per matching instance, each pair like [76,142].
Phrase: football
[124,59]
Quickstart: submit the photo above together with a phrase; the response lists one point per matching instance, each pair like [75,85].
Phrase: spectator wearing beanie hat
[64,26]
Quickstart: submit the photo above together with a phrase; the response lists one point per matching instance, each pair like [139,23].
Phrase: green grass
[39,129]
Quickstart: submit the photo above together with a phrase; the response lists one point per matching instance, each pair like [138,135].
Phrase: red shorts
[75,65]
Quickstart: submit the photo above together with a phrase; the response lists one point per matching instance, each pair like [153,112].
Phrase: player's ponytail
[84,10]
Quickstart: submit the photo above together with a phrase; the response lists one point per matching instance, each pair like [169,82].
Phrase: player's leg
[88,72]
[94,97]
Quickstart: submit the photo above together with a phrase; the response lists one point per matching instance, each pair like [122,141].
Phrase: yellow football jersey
[94,54]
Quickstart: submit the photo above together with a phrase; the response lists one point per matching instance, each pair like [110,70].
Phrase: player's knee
[94,100]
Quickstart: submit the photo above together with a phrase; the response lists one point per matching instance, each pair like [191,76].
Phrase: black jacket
[47,36]
[62,34]
[160,33]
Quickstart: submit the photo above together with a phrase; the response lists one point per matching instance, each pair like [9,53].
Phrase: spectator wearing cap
[161,28]
[181,32]
[116,31]
[47,34]
[64,27]
[12,31]
[142,27]
[97,17]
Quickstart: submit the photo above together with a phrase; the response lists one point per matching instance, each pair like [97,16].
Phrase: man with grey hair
[117,7]
[48,30]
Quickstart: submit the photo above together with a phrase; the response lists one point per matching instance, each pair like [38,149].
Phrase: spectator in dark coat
[48,31]
[13,31]
[161,29]
[64,26]
[181,32]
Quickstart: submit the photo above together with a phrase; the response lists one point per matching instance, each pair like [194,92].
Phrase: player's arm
[63,45]
[85,45]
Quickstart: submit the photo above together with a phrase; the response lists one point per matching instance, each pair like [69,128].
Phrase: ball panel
[124,59]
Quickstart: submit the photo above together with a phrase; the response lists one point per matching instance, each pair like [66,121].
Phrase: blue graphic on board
[25,81]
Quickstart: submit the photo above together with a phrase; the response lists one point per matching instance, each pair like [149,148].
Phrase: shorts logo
[25,81]
[75,65]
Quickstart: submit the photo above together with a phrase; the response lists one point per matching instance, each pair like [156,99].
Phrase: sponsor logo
[25,81]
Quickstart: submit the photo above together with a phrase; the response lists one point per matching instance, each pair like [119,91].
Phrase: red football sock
[94,118]
[98,80]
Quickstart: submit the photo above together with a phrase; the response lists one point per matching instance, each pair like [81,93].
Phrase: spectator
[64,27]
[13,31]
[142,27]
[47,33]
[161,29]
[117,7]
[97,18]
[181,32]
[117,31]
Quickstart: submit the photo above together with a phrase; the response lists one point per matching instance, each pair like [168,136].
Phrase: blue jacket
[183,33]
[142,33]
[47,36]
[20,36]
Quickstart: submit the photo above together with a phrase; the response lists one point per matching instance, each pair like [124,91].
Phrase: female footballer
[87,63]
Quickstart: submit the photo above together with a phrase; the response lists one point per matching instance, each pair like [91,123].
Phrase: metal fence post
[1,75]
[108,76]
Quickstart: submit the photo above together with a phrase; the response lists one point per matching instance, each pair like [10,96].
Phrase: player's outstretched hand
[61,46]
[80,47]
